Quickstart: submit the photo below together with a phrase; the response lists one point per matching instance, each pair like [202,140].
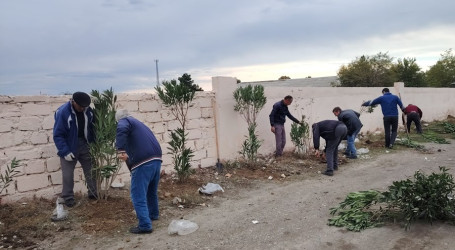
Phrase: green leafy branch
[10,172]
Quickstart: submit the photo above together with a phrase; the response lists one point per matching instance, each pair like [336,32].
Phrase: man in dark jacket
[137,146]
[333,132]
[277,119]
[388,104]
[413,114]
[73,130]
[350,118]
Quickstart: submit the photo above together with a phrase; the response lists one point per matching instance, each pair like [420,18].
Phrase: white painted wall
[317,103]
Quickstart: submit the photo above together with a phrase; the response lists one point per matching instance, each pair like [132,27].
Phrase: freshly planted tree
[178,97]
[249,101]
[300,135]
[10,172]
[105,162]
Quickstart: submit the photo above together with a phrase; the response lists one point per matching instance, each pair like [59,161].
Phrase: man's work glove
[70,157]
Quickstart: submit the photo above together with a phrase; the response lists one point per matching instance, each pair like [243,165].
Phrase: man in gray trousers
[277,119]
[333,132]
[73,130]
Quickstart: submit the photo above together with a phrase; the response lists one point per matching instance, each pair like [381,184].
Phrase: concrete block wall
[26,124]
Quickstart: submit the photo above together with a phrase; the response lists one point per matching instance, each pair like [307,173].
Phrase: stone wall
[26,124]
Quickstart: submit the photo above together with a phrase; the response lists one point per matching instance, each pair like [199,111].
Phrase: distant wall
[26,124]
[316,103]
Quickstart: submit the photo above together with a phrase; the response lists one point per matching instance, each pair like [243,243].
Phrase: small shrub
[300,134]
[10,172]
[251,144]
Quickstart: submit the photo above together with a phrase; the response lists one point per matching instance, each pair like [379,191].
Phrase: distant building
[327,81]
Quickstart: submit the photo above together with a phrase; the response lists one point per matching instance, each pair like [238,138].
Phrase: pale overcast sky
[60,46]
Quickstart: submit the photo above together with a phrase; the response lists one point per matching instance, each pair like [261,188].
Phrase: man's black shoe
[329,173]
[137,230]
[335,168]
[70,203]
[346,153]
[352,157]
[93,197]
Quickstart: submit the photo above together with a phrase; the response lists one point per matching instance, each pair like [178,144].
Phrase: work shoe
[137,230]
[352,157]
[92,197]
[335,168]
[70,203]
[329,173]
[347,153]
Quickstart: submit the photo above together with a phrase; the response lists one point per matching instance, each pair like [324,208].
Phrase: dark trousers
[413,117]
[83,156]
[332,147]
[390,122]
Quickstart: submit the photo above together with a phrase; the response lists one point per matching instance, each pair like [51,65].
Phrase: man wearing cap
[73,130]
[389,109]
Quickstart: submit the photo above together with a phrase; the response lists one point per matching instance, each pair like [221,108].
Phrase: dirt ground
[288,199]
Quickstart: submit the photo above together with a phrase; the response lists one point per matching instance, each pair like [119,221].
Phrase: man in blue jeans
[277,119]
[388,104]
[137,146]
[350,118]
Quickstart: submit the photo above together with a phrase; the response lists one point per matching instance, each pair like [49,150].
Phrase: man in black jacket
[277,119]
[333,132]
[350,118]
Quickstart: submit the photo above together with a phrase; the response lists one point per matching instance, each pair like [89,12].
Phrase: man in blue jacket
[333,132]
[137,146]
[350,118]
[73,130]
[277,119]
[388,104]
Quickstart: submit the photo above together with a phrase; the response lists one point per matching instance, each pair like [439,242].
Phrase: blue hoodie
[138,141]
[388,104]
[66,128]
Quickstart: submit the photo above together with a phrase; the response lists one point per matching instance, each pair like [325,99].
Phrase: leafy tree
[249,101]
[368,71]
[104,156]
[186,80]
[409,72]
[442,74]
[284,77]
[178,97]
